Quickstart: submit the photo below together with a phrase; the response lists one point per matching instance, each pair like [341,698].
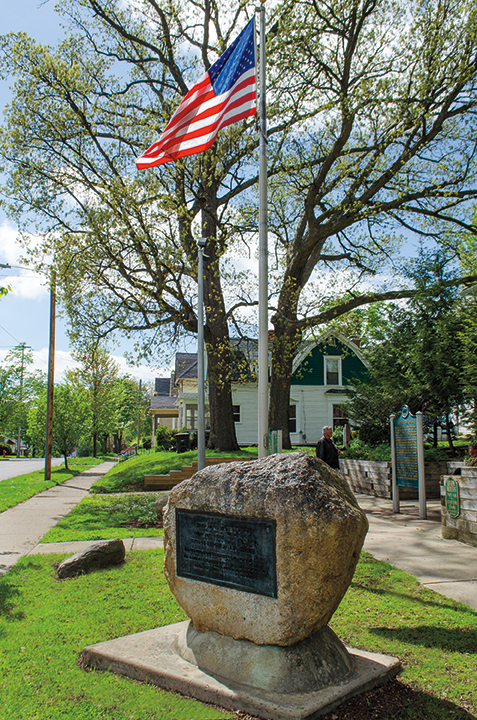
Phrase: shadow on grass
[9,595]
[62,474]
[397,701]
[444,603]
[451,639]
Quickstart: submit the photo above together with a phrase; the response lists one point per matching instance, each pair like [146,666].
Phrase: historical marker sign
[405,443]
[408,456]
[452,497]
[237,552]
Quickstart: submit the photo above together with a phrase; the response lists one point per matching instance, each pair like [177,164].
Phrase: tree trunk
[449,436]
[66,460]
[285,345]
[222,426]
[95,439]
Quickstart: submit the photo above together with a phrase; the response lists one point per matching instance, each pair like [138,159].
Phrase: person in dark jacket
[326,450]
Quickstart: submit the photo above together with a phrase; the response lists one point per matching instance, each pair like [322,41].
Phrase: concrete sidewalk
[23,526]
[416,546]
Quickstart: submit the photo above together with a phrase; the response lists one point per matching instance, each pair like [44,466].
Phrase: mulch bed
[391,701]
[137,524]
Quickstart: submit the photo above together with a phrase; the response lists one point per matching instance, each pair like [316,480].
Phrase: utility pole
[139,416]
[23,347]
[51,380]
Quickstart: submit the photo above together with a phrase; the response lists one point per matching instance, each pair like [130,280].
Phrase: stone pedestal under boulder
[319,531]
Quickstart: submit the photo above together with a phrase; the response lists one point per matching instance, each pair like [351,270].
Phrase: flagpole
[263,254]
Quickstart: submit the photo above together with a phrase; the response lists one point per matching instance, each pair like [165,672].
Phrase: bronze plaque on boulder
[237,552]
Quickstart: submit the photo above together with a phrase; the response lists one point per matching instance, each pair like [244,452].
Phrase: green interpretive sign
[452,497]
[405,442]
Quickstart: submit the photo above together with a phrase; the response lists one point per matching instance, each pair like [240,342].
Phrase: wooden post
[51,380]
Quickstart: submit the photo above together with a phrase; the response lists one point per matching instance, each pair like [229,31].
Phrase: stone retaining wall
[464,526]
[368,477]
[375,478]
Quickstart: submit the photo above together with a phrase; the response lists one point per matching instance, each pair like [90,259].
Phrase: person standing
[472,460]
[326,450]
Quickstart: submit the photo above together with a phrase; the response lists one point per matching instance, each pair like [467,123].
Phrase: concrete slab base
[156,656]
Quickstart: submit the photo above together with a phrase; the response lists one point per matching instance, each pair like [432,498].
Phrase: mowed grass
[44,625]
[385,610]
[18,489]
[104,517]
[129,475]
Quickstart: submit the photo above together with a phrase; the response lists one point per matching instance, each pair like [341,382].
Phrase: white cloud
[141,372]
[64,362]
[10,249]
[27,285]
[23,282]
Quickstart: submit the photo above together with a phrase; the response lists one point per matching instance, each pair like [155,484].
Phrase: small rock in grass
[99,555]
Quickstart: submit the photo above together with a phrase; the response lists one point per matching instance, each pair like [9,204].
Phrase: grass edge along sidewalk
[19,488]
[44,625]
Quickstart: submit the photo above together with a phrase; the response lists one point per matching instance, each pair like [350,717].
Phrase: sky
[25,311]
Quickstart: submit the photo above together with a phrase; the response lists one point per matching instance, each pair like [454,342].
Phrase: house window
[292,419]
[236,413]
[339,418]
[332,371]
[191,417]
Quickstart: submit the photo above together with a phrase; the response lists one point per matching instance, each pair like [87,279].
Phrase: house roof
[186,366]
[163,402]
[163,386]
[308,345]
[165,394]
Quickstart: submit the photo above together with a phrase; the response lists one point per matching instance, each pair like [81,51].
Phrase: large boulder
[317,531]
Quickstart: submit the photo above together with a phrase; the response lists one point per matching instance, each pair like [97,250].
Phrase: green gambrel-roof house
[322,371]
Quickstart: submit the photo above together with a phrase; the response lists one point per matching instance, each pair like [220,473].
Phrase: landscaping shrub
[432,454]
[337,436]
[356,450]
[164,438]
[8,449]
[381,453]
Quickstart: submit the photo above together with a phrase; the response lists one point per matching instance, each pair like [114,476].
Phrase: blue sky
[25,312]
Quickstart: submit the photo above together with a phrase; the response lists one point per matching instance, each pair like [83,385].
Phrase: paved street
[11,467]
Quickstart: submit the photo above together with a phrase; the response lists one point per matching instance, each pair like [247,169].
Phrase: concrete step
[174,477]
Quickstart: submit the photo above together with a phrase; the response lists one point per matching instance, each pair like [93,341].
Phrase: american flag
[223,95]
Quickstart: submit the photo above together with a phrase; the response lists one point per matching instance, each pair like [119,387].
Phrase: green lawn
[17,489]
[104,517]
[44,625]
[387,611]
[129,475]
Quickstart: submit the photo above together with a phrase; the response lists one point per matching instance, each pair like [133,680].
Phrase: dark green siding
[311,370]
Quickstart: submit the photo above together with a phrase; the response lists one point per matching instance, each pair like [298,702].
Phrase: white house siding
[314,409]
[247,397]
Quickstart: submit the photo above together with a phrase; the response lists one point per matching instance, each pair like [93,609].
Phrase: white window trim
[295,405]
[340,377]
[238,422]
